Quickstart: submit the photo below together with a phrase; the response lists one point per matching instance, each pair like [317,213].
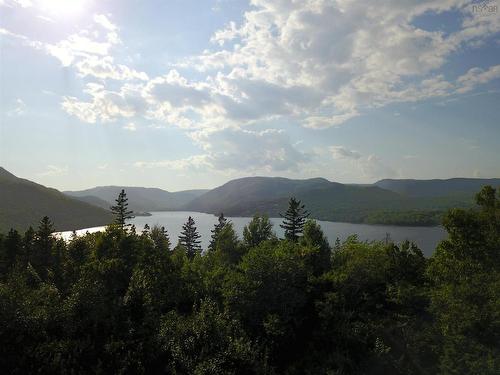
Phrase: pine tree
[294,219]
[42,254]
[216,231]
[190,238]
[12,249]
[121,212]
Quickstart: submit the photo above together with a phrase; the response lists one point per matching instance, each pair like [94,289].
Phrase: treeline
[123,301]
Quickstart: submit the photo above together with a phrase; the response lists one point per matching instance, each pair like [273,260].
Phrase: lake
[425,237]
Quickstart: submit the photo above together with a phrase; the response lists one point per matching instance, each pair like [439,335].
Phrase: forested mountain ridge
[141,198]
[326,200]
[23,203]
[437,188]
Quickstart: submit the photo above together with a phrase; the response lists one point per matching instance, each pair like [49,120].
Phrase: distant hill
[438,188]
[24,203]
[90,199]
[236,195]
[140,199]
[325,200]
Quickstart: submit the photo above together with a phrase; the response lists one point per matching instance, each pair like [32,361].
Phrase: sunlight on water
[425,237]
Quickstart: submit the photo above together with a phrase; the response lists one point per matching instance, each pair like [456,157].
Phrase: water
[425,237]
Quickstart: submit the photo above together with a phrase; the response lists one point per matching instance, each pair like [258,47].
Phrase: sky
[183,94]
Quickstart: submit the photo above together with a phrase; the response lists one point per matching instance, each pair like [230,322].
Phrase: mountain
[246,196]
[140,199]
[326,200]
[90,199]
[24,203]
[466,187]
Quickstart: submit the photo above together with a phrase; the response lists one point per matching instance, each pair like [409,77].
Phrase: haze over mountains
[399,202]
[140,198]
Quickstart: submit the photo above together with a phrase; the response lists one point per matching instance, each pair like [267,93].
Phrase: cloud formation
[239,150]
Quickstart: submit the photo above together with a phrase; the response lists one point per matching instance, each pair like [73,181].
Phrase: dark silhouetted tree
[121,212]
[11,249]
[190,238]
[42,254]
[294,219]
[222,221]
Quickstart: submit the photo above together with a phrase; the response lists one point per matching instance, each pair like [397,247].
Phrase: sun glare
[62,7]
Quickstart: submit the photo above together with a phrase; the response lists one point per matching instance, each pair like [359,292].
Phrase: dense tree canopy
[125,302]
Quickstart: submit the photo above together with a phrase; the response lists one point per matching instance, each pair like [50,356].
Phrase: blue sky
[190,94]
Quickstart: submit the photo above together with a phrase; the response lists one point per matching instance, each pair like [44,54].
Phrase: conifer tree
[42,254]
[160,237]
[190,238]
[121,212]
[11,250]
[294,219]
[221,223]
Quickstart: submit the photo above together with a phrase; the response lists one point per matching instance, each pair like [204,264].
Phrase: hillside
[90,199]
[325,200]
[140,199]
[459,187]
[24,203]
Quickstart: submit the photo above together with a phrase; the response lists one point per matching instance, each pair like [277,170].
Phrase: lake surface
[425,237]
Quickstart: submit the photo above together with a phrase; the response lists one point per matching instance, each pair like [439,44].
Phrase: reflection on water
[425,237]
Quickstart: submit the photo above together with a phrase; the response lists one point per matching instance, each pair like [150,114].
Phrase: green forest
[134,301]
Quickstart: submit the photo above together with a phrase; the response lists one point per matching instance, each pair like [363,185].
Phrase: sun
[62,7]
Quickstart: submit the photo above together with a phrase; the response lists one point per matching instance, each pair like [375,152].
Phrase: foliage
[258,230]
[125,302]
[294,219]
[190,238]
[221,222]
[121,211]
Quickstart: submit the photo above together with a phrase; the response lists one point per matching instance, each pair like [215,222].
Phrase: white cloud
[105,68]
[19,108]
[374,168]
[475,77]
[89,51]
[20,3]
[239,150]
[340,152]
[369,167]
[104,106]
[353,54]
[53,170]
[130,127]
[196,162]
[289,60]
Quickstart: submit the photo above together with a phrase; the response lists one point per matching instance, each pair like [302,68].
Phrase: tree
[258,230]
[222,221]
[160,238]
[190,238]
[294,219]
[228,246]
[11,249]
[314,238]
[465,278]
[42,254]
[121,212]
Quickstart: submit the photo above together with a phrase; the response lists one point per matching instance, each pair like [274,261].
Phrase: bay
[426,238]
